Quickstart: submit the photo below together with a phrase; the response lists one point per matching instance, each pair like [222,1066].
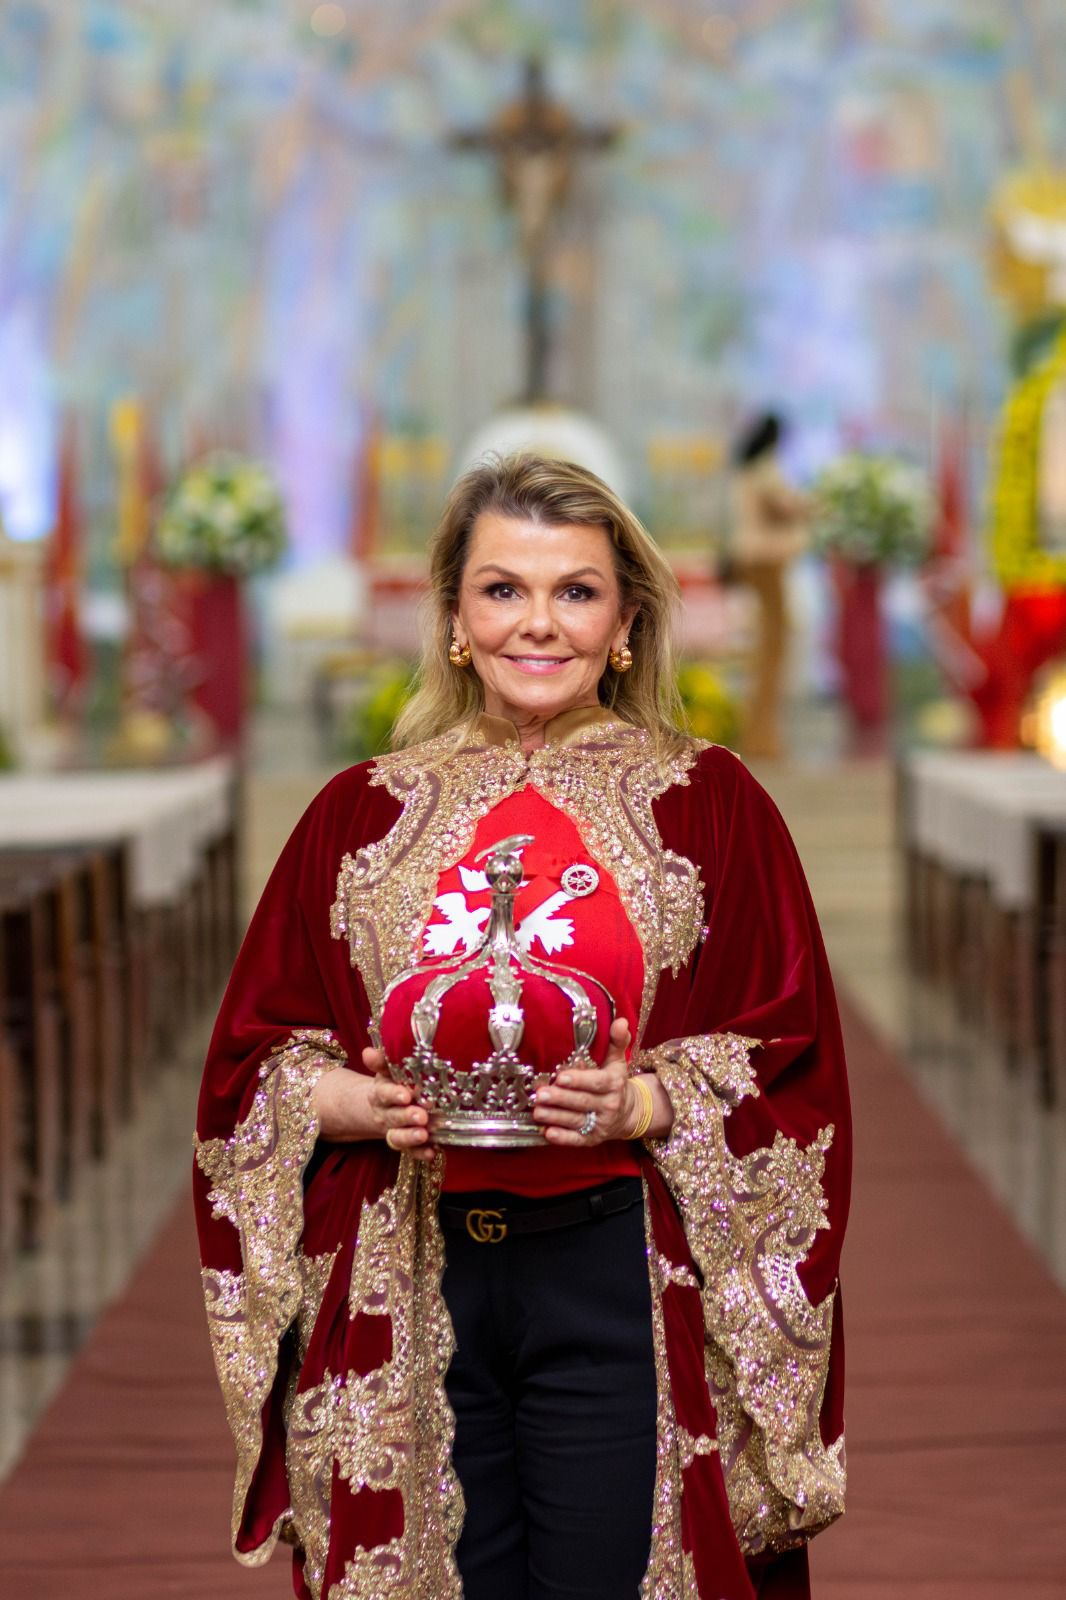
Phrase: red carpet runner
[956,1417]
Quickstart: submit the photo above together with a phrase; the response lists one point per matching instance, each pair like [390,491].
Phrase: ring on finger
[588,1124]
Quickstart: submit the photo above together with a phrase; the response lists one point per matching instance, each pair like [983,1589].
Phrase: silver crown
[492,1103]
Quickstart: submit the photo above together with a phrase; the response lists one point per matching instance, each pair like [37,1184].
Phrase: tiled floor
[842,819]
[50,1300]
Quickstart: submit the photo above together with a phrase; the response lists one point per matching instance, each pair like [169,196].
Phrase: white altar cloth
[978,814]
[167,817]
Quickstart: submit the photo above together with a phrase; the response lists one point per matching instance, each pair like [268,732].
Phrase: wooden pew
[109,949]
[60,880]
[119,1032]
[96,940]
[1052,880]
[10,1151]
[31,1019]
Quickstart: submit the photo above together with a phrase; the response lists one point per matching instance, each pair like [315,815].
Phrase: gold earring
[622,659]
[459,654]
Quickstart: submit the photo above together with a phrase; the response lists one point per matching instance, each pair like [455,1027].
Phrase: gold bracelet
[646,1112]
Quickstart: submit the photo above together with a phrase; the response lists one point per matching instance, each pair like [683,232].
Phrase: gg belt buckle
[486,1227]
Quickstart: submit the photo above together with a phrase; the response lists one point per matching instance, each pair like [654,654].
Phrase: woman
[611,1362]
[769,530]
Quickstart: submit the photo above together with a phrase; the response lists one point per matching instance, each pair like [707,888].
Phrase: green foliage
[7,754]
[873,509]
[1034,341]
[225,515]
[710,710]
[371,720]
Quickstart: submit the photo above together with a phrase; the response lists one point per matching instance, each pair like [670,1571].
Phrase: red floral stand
[862,653]
[219,637]
[1032,633]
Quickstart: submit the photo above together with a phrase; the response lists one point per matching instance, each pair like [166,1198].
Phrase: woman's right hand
[351,1106]
[402,1124]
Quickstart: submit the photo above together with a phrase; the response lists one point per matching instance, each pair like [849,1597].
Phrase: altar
[984,840]
[118,924]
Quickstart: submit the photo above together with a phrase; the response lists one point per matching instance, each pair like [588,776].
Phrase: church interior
[790,276]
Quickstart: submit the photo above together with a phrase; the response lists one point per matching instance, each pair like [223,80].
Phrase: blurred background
[791,276]
[318,235]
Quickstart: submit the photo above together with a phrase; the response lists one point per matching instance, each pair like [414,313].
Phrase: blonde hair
[535,488]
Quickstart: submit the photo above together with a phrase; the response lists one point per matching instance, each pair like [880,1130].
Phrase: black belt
[491,1223]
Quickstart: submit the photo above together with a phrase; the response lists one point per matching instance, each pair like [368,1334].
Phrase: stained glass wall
[248,215]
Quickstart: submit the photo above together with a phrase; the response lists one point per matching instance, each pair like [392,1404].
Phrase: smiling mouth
[539,663]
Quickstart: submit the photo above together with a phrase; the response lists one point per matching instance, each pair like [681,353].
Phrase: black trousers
[554,1393]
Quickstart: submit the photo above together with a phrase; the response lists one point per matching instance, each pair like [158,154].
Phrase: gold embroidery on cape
[691,1445]
[307,1524]
[256,1178]
[672,1272]
[607,786]
[385,891]
[665,1577]
[390,1428]
[309,1471]
[380,1283]
[395,1428]
[375,1438]
[376,1574]
[750,1222]
[606,782]
[441,1508]
[314,1275]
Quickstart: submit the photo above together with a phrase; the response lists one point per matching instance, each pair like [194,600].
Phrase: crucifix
[536,144]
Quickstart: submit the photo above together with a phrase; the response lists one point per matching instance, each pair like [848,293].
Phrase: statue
[536,144]
[770,530]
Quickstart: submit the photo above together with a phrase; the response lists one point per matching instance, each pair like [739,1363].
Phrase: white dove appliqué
[463,926]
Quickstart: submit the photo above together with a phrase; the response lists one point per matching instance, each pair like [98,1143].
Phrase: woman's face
[540,607]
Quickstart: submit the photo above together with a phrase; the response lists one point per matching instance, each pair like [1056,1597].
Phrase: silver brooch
[580,880]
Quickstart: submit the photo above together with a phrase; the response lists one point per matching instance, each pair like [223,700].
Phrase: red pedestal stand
[1032,632]
[862,653]
[219,632]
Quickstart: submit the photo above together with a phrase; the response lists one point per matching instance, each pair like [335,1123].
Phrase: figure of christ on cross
[536,144]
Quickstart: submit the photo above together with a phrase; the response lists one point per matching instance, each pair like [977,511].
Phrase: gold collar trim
[566,728]
[595,767]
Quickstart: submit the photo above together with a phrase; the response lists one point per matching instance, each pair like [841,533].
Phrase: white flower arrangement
[873,509]
[225,515]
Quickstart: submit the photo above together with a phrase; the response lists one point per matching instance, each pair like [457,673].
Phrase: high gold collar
[566,728]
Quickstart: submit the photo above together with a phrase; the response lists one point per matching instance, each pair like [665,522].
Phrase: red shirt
[592,934]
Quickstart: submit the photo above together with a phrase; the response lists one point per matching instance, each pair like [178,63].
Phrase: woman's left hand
[563,1106]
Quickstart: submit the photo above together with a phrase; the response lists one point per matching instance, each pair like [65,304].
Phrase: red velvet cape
[322,1261]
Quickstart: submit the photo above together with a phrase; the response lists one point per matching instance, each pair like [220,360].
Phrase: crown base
[490,1105]
[475,1129]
